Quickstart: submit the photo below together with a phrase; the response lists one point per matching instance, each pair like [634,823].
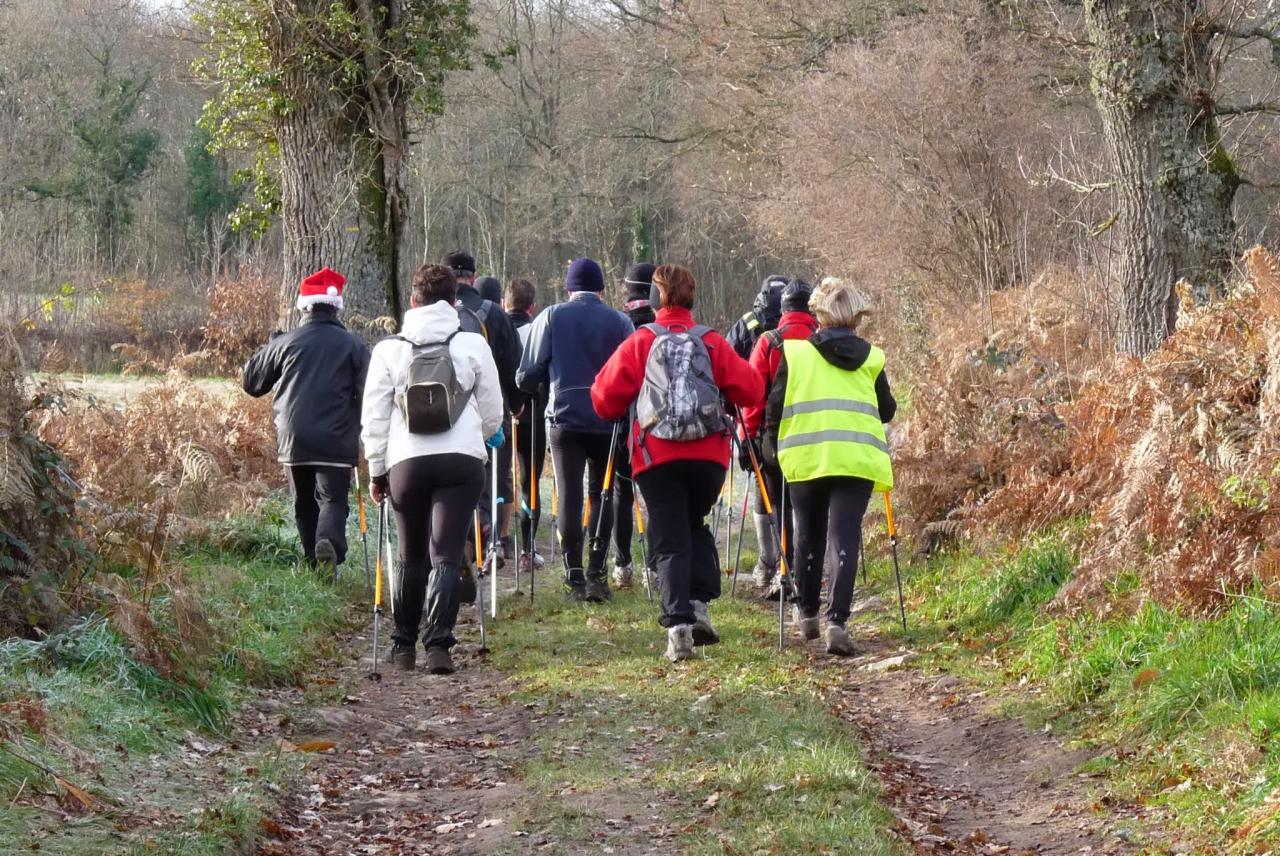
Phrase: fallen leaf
[77,793]
[316,746]
[712,802]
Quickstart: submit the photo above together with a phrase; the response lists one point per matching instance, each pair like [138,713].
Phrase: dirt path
[962,778]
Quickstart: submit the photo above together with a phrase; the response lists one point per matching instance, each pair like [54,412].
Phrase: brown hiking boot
[403,657]
[439,662]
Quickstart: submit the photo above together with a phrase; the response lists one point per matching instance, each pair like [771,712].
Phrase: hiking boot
[622,576]
[808,624]
[679,642]
[326,558]
[538,561]
[403,657]
[703,632]
[467,585]
[597,590]
[576,585]
[839,642]
[439,662]
[762,576]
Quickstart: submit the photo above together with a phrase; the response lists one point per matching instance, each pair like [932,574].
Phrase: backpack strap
[775,337]
[484,328]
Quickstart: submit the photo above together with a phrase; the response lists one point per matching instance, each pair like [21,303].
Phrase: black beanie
[637,281]
[490,288]
[795,296]
[460,262]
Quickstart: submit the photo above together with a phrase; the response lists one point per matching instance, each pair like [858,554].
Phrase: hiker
[568,343]
[520,303]
[824,425]
[763,317]
[796,323]
[480,315]
[318,371]
[679,445]
[637,283]
[490,288]
[432,469]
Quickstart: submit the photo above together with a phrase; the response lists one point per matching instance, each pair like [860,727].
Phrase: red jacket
[618,385]
[765,359]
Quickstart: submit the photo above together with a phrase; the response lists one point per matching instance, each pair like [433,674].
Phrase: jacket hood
[432,323]
[842,348]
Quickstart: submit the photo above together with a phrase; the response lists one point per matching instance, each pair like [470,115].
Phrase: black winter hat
[795,296]
[638,279]
[768,303]
[490,288]
[460,262]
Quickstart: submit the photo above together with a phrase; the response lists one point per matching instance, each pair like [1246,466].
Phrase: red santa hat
[323,286]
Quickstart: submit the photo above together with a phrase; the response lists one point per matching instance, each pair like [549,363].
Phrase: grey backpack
[432,399]
[679,399]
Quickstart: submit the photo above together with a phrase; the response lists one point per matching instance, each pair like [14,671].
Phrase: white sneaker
[680,642]
[622,576]
[703,632]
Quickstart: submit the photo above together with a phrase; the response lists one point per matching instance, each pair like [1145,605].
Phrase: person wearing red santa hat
[317,371]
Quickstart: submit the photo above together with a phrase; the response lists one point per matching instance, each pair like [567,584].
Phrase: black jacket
[520,321]
[318,371]
[568,345]
[502,338]
[745,331]
[841,348]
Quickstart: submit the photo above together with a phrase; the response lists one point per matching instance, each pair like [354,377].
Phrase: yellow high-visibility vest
[831,419]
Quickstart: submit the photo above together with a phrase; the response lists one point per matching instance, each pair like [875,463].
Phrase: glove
[744,453]
[380,487]
[496,440]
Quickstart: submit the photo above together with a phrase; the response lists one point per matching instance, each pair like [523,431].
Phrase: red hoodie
[618,385]
[765,359]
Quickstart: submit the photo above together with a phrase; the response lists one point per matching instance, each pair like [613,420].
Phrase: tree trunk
[1174,181]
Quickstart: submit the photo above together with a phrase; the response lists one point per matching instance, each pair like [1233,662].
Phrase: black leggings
[836,505]
[679,496]
[573,453]
[532,463]
[434,498]
[320,506]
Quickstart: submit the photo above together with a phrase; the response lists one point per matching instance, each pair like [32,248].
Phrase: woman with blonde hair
[828,406]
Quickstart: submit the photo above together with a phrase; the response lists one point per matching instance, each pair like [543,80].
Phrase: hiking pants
[434,498]
[624,503]
[531,468]
[320,506]
[831,506]
[679,496]
[572,454]
[773,480]
[506,488]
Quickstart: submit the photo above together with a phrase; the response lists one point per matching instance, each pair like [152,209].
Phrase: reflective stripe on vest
[831,419]
[752,321]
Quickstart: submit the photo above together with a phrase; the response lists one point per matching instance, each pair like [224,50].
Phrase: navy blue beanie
[584,275]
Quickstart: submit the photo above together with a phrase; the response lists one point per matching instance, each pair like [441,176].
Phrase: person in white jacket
[433,480]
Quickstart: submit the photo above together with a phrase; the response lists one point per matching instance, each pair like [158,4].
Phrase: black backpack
[432,399]
[475,320]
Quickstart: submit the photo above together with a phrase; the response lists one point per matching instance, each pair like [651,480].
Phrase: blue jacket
[568,345]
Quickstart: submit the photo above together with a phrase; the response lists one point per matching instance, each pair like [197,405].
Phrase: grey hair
[838,303]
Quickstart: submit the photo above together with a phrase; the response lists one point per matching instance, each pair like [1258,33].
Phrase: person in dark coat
[520,300]
[317,371]
[490,288]
[568,343]
[762,318]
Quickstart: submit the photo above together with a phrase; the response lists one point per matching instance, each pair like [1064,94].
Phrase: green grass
[84,705]
[1185,709]
[741,726]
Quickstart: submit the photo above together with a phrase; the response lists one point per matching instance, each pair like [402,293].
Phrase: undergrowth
[1183,709]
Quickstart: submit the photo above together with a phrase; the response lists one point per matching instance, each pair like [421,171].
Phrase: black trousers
[679,495]
[836,505]
[506,486]
[532,452]
[434,498]
[320,506]
[624,501]
[574,453]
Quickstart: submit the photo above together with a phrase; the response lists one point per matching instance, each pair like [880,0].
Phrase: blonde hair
[837,303]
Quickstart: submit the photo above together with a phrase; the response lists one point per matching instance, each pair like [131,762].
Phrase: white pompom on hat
[322,287]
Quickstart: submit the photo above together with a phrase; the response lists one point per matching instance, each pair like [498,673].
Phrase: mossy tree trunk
[1174,181]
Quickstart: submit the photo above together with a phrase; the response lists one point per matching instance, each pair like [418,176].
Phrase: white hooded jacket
[385,435]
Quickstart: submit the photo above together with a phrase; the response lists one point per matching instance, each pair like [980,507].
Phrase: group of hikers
[643,396]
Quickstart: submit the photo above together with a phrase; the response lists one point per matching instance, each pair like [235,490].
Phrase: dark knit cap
[795,296]
[490,288]
[460,262]
[584,275]
[638,279]
[768,304]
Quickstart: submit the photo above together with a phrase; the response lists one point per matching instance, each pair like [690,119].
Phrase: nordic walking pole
[364,535]
[515,495]
[535,475]
[375,675]
[785,580]
[893,545]
[480,560]
[494,534]
[644,551]
[742,530]
[728,509]
[606,488]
